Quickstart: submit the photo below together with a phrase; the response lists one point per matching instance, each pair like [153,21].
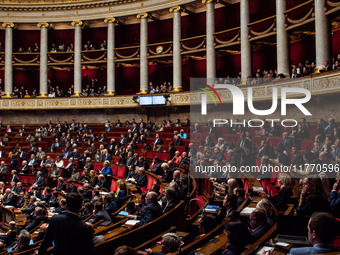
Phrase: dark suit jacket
[156,169]
[61,186]
[39,181]
[70,235]
[150,213]
[102,215]
[314,203]
[87,194]
[15,178]
[8,199]
[282,199]
[141,180]
[20,202]
[258,232]
[168,206]
[111,207]
[101,184]
[35,222]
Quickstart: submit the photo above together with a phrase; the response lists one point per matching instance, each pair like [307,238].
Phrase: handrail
[262,20]
[298,6]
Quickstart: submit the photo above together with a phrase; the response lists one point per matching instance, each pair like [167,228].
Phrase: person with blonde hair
[270,210]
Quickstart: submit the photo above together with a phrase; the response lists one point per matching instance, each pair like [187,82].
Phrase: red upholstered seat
[121,172]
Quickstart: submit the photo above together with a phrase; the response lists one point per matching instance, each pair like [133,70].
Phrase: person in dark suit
[322,231]
[8,198]
[238,237]
[46,195]
[258,224]
[62,206]
[141,179]
[21,201]
[152,210]
[69,234]
[3,171]
[101,182]
[19,188]
[87,192]
[88,165]
[71,188]
[156,167]
[23,242]
[22,155]
[109,204]
[170,200]
[38,217]
[39,180]
[106,156]
[31,206]
[282,158]
[61,184]
[101,214]
[9,237]
[15,177]
[286,141]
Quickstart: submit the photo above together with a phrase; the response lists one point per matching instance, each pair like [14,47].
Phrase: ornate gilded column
[282,49]
[245,43]
[77,57]
[322,35]
[8,59]
[43,58]
[176,49]
[111,88]
[210,43]
[143,53]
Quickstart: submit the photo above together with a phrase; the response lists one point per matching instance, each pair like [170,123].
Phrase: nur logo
[239,100]
[204,98]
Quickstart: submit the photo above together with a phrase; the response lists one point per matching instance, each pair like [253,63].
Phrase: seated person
[313,198]
[170,243]
[10,236]
[61,185]
[238,237]
[87,211]
[23,242]
[39,180]
[270,210]
[258,224]
[38,217]
[101,182]
[141,179]
[62,206]
[170,200]
[21,200]
[335,198]
[130,207]
[106,168]
[100,214]
[206,224]
[322,230]
[8,198]
[152,210]
[109,204]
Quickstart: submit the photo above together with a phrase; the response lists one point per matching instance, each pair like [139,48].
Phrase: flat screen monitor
[152,100]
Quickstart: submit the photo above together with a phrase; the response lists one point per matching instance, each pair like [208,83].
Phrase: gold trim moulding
[110,93]
[77,23]
[76,94]
[7,96]
[176,89]
[8,24]
[43,25]
[143,91]
[42,95]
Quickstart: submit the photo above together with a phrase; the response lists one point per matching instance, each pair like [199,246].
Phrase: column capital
[43,25]
[143,15]
[77,23]
[209,1]
[111,20]
[8,24]
[176,9]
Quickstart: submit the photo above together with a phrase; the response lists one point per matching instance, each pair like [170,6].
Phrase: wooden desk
[211,247]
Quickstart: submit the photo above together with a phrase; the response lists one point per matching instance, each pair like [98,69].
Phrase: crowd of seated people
[319,193]
[163,88]
[49,188]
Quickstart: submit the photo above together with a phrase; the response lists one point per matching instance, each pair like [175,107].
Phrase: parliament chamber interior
[170,127]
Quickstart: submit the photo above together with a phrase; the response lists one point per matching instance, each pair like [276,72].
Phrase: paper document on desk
[247,211]
[257,189]
[132,222]
[266,249]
